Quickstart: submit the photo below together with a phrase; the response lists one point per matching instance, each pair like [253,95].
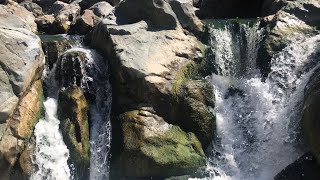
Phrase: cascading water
[51,154]
[257,122]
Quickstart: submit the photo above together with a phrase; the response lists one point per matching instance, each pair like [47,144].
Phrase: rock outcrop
[311,115]
[155,64]
[284,27]
[72,112]
[305,168]
[21,98]
[21,64]
[16,16]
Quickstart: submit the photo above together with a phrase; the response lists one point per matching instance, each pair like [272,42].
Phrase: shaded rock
[157,13]
[45,23]
[71,68]
[154,148]
[10,147]
[270,7]
[195,104]
[54,47]
[305,168]
[32,7]
[229,8]
[57,6]
[311,115]
[185,13]
[72,111]
[85,4]
[65,18]
[16,16]
[85,22]
[45,4]
[101,9]
[307,11]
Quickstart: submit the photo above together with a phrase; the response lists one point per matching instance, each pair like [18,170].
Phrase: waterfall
[51,154]
[257,121]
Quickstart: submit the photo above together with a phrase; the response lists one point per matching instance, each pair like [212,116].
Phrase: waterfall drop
[89,71]
[257,121]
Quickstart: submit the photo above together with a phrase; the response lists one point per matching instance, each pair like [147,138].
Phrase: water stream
[257,121]
[51,154]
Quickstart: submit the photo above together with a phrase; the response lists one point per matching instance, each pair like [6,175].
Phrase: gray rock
[285,27]
[157,13]
[57,7]
[32,7]
[8,100]
[45,23]
[18,17]
[21,60]
[101,9]
[85,4]
[149,69]
[185,13]
[127,29]
[66,17]
[153,147]
[229,9]
[85,22]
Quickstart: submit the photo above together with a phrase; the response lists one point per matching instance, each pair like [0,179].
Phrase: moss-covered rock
[154,148]
[72,111]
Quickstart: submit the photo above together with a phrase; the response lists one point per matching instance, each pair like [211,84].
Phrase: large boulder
[17,16]
[311,115]
[85,4]
[85,23]
[65,17]
[157,13]
[101,9]
[153,147]
[32,7]
[17,132]
[156,69]
[305,168]
[185,13]
[22,61]
[72,112]
[229,8]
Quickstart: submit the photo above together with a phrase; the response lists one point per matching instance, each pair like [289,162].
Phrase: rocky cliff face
[21,65]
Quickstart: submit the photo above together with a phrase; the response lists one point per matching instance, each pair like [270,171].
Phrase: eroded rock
[72,111]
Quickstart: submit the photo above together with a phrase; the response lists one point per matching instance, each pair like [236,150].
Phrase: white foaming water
[51,154]
[257,122]
[96,72]
[235,47]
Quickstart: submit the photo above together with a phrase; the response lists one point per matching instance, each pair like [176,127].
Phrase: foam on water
[257,122]
[51,154]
